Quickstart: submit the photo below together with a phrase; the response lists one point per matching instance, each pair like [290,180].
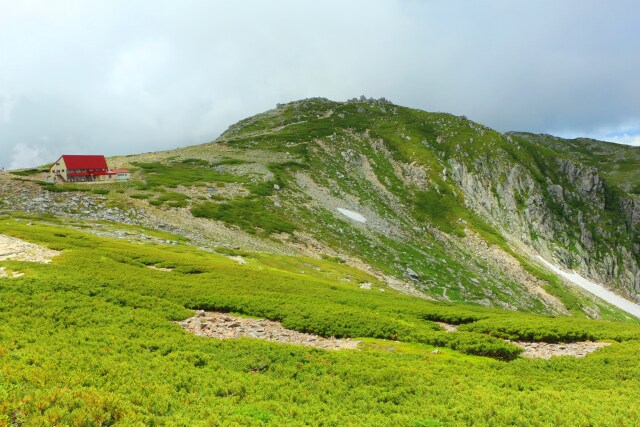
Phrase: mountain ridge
[436,190]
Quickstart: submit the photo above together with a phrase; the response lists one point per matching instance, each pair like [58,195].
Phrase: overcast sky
[123,77]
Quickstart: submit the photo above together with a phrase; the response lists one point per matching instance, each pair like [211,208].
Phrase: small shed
[118,175]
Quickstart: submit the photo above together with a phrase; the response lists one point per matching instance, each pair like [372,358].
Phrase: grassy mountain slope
[316,199]
[90,340]
[457,175]
[617,162]
[453,209]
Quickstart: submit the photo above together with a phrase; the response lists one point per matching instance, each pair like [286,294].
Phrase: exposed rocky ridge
[575,237]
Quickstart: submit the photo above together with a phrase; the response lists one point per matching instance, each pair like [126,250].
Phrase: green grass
[170,198]
[89,340]
[28,172]
[441,210]
[189,173]
[251,214]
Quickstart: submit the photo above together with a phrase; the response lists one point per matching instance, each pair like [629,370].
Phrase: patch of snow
[596,289]
[353,215]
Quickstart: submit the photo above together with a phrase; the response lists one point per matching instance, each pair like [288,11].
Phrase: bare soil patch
[153,267]
[14,249]
[448,327]
[225,326]
[543,350]
[4,274]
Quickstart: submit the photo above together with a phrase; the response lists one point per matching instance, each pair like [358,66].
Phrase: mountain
[432,203]
[434,189]
[414,237]
[616,162]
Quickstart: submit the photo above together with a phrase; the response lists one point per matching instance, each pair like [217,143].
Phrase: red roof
[87,173]
[74,161]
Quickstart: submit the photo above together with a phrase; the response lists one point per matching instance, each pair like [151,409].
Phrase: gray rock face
[566,217]
[411,274]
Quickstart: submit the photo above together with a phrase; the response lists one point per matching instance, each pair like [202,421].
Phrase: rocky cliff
[572,216]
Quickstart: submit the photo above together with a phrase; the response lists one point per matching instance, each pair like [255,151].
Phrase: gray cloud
[119,77]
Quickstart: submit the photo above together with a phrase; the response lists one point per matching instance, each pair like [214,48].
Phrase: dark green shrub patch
[63,188]
[192,173]
[176,200]
[139,196]
[28,172]
[250,214]
[558,329]
[90,339]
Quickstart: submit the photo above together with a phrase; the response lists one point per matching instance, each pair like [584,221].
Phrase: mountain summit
[436,189]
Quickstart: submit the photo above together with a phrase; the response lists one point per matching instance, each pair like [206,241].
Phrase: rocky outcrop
[571,216]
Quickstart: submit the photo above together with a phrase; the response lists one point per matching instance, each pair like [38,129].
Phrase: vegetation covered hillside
[92,339]
[431,203]
[413,234]
[617,162]
[416,175]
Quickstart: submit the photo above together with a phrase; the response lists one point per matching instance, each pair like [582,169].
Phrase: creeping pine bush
[90,339]
[251,214]
[191,173]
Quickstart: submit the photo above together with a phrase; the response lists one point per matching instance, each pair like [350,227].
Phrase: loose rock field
[225,326]
[542,350]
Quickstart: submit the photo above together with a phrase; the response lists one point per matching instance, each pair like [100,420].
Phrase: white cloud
[30,155]
[618,137]
[627,133]
[120,77]
[625,139]
[7,104]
